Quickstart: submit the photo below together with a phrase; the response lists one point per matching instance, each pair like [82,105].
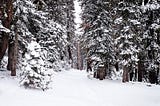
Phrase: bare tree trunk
[125,74]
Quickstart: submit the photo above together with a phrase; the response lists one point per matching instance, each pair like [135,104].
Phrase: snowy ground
[73,88]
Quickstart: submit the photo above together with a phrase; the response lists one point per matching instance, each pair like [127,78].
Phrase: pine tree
[150,19]
[36,73]
[48,39]
[62,12]
[98,34]
[128,36]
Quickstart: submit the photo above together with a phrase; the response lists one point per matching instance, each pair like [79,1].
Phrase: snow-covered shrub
[35,70]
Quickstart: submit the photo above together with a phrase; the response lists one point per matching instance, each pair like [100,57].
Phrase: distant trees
[62,12]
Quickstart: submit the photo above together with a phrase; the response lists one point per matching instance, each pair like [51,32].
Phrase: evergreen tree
[97,31]
[62,12]
[150,20]
[34,27]
[128,36]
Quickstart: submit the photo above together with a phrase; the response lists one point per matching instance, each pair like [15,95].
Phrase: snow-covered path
[73,88]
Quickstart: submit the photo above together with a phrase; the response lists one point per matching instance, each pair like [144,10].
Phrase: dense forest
[119,38]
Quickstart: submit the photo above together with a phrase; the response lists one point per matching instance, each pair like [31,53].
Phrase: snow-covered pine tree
[128,37]
[35,70]
[151,28]
[48,37]
[97,35]
[56,10]
[62,12]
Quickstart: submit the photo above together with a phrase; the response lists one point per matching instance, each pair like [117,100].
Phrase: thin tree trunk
[79,60]
[69,52]
[125,74]
[12,56]
[140,71]
[15,53]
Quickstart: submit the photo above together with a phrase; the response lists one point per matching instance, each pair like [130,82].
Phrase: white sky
[77,13]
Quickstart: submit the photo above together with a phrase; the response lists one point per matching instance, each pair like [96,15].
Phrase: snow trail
[73,88]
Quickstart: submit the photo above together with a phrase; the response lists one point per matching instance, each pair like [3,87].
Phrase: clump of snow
[118,20]
[135,22]
[150,6]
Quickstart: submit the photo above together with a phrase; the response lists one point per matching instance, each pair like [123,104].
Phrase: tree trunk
[117,66]
[152,77]
[125,74]
[12,55]
[69,53]
[6,23]
[4,45]
[79,60]
[140,71]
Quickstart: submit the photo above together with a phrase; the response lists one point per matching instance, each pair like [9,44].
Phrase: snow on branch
[3,29]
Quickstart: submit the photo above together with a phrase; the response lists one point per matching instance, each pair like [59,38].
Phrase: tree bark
[12,55]
[6,23]
[125,74]
[4,45]
[79,60]
[140,71]
[12,45]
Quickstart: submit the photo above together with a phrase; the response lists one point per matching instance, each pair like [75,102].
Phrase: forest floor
[74,88]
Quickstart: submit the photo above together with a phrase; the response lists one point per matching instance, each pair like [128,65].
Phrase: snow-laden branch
[3,29]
